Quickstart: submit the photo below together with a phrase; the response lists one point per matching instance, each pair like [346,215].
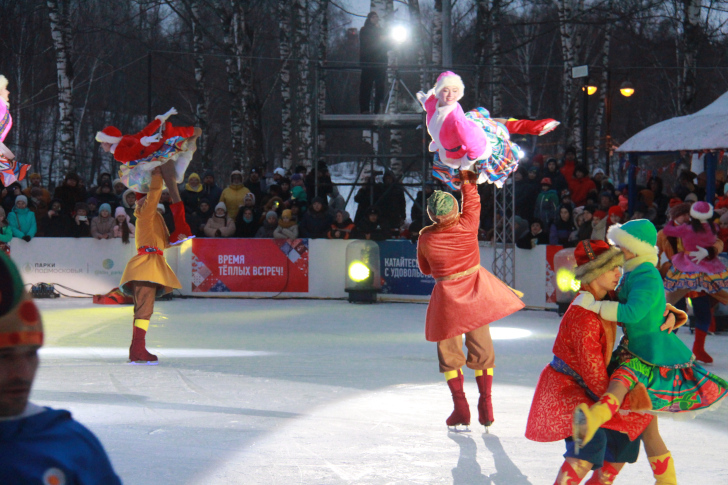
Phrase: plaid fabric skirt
[495,169]
[137,175]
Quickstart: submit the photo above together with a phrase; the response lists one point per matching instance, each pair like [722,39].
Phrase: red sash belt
[149,250]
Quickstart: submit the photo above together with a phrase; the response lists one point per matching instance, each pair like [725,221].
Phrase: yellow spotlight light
[590,90]
[566,282]
[626,89]
[358,272]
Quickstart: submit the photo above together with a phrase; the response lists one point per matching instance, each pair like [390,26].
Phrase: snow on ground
[316,392]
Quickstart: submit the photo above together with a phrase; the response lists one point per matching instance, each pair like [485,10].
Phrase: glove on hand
[166,115]
[148,140]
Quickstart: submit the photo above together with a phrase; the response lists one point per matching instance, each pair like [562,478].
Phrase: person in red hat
[578,374]
[465,299]
[463,140]
[159,144]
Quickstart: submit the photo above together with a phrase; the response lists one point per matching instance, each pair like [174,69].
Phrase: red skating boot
[699,347]
[138,353]
[485,404]
[604,475]
[461,414]
[182,231]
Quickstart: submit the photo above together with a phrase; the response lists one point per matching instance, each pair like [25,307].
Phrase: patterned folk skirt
[496,168]
[710,283]
[137,175]
[686,388]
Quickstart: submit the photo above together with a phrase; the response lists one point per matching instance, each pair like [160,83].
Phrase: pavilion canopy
[705,130]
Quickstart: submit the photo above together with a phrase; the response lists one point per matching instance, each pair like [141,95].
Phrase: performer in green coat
[659,360]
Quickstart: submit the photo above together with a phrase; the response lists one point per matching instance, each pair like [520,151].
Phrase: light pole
[583,72]
[625,89]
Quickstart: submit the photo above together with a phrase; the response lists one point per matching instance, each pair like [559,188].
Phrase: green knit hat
[441,203]
[638,236]
[20,321]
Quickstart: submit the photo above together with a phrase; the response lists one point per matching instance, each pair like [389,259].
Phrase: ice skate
[138,354]
[461,414]
[485,404]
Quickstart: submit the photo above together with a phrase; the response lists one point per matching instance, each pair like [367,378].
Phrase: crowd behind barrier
[557,203]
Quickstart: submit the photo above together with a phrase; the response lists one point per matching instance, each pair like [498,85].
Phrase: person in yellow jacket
[234,194]
[147,274]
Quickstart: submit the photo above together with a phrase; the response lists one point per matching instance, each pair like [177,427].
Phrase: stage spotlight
[400,34]
[362,271]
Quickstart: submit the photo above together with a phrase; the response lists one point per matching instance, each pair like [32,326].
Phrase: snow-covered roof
[707,129]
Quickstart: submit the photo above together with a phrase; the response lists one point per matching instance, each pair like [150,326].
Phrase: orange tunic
[585,343]
[462,304]
[150,230]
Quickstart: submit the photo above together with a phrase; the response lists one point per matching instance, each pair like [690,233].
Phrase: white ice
[317,392]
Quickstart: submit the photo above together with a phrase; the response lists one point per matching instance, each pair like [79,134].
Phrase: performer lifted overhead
[466,297]
[159,144]
[461,140]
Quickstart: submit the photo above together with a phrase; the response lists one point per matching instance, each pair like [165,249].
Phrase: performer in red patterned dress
[10,169]
[466,297]
[578,374]
[160,144]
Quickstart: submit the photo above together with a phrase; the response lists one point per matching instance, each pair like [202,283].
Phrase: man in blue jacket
[38,445]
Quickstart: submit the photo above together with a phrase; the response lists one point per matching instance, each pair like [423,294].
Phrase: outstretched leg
[182,230]
[587,420]
[663,466]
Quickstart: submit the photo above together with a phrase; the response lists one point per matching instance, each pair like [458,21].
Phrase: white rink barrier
[95,266]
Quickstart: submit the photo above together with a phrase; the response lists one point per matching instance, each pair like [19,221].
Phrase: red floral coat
[130,147]
[585,343]
[463,304]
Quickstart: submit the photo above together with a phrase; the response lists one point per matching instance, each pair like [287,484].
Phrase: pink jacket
[453,135]
[691,240]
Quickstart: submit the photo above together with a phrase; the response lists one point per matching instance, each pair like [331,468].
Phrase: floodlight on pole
[400,34]
[590,89]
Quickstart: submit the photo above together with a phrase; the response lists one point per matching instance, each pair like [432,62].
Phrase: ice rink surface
[317,392]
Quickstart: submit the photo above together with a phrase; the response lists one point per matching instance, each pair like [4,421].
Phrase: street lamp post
[625,89]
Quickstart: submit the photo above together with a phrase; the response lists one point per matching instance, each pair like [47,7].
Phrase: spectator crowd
[557,202]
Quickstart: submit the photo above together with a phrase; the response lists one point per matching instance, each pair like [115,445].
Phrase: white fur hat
[449,78]
[701,211]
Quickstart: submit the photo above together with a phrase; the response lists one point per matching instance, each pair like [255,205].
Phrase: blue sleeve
[90,463]
[14,226]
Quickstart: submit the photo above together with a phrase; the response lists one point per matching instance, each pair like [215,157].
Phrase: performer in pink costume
[159,144]
[10,169]
[461,140]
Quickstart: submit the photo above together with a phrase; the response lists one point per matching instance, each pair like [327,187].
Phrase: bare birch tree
[690,42]
[304,138]
[323,45]
[436,38]
[250,106]
[234,84]
[59,14]
[568,54]
[604,95]
[201,101]
[284,51]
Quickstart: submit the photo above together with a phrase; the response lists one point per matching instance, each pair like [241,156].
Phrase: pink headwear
[701,211]
[449,78]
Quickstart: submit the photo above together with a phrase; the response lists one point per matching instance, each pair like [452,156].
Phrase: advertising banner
[250,265]
[399,270]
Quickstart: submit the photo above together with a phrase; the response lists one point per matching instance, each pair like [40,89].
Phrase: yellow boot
[572,471]
[587,420]
[663,468]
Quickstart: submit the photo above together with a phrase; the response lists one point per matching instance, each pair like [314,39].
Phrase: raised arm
[155,193]
[676,231]
[470,215]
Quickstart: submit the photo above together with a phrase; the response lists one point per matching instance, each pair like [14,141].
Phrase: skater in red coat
[160,144]
[466,297]
[578,374]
